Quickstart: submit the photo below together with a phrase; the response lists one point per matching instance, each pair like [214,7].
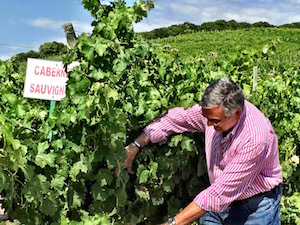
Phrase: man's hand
[131,151]
[189,214]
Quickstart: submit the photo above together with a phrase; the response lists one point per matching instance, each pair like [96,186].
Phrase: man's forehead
[215,112]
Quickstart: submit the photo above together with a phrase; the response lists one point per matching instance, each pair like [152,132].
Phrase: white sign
[46,79]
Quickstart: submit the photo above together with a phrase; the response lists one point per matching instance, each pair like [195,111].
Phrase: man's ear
[238,113]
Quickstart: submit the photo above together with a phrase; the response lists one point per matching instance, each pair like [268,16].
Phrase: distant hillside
[291,25]
[186,28]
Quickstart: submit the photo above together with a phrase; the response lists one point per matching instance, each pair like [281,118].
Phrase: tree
[262,24]
[52,48]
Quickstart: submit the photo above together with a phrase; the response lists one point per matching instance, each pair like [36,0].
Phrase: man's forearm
[189,214]
[143,139]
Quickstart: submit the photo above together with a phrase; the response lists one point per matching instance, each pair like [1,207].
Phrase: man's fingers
[129,169]
[128,165]
[131,151]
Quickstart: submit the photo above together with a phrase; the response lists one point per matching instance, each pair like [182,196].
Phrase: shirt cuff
[154,135]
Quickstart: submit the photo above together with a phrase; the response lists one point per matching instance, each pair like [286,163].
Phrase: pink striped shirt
[240,165]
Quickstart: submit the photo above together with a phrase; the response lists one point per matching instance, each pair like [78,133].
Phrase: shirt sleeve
[177,120]
[235,179]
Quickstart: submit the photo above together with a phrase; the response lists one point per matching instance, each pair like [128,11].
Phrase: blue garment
[261,209]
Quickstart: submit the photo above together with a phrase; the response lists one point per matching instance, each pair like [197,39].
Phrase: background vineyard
[123,82]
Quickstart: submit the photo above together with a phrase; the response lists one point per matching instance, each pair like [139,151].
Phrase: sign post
[52,106]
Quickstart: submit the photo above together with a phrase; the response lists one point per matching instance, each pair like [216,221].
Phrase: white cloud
[5,57]
[292,1]
[210,14]
[60,40]
[45,23]
[13,50]
[295,18]
[154,23]
[246,15]
[142,27]
[185,9]
[82,27]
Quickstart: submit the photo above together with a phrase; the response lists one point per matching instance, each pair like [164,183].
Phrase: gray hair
[223,92]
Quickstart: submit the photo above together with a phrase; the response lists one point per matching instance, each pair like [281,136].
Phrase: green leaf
[187,144]
[140,110]
[57,144]
[265,49]
[43,159]
[128,107]
[175,140]
[16,144]
[77,148]
[100,48]
[104,177]
[187,100]
[2,69]
[49,207]
[20,111]
[150,115]
[155,104]
[83,85]
[58,182]
[121,196]
[120,66]
[43,183]
[77,168]
[153,169]
[295,198]
[98,74]
[74,199]
[247,89]
[10,98]
[112,94]
[42,146]
[101,194]
[143,192]
[144,176]
[167,187]
[157,199]
[88,51]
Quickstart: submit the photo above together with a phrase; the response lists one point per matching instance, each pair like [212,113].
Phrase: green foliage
[52,48]
[278,97]
[214,47]
[120,86]
[291,25]
[122,83]
[218,25]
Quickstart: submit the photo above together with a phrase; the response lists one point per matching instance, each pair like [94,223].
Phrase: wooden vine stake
[255,78]
[70,35]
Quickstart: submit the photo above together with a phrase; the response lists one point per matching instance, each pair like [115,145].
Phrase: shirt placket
[217,158]
[221,148]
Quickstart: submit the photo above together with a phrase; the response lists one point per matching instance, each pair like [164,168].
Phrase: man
[241,155]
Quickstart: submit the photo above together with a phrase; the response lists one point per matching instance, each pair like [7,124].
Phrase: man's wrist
[137,144]
[171,221]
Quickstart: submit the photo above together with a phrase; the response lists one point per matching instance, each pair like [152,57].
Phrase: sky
[27,24]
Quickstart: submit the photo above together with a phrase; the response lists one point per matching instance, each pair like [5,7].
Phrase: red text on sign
[47,89]
[49,71]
